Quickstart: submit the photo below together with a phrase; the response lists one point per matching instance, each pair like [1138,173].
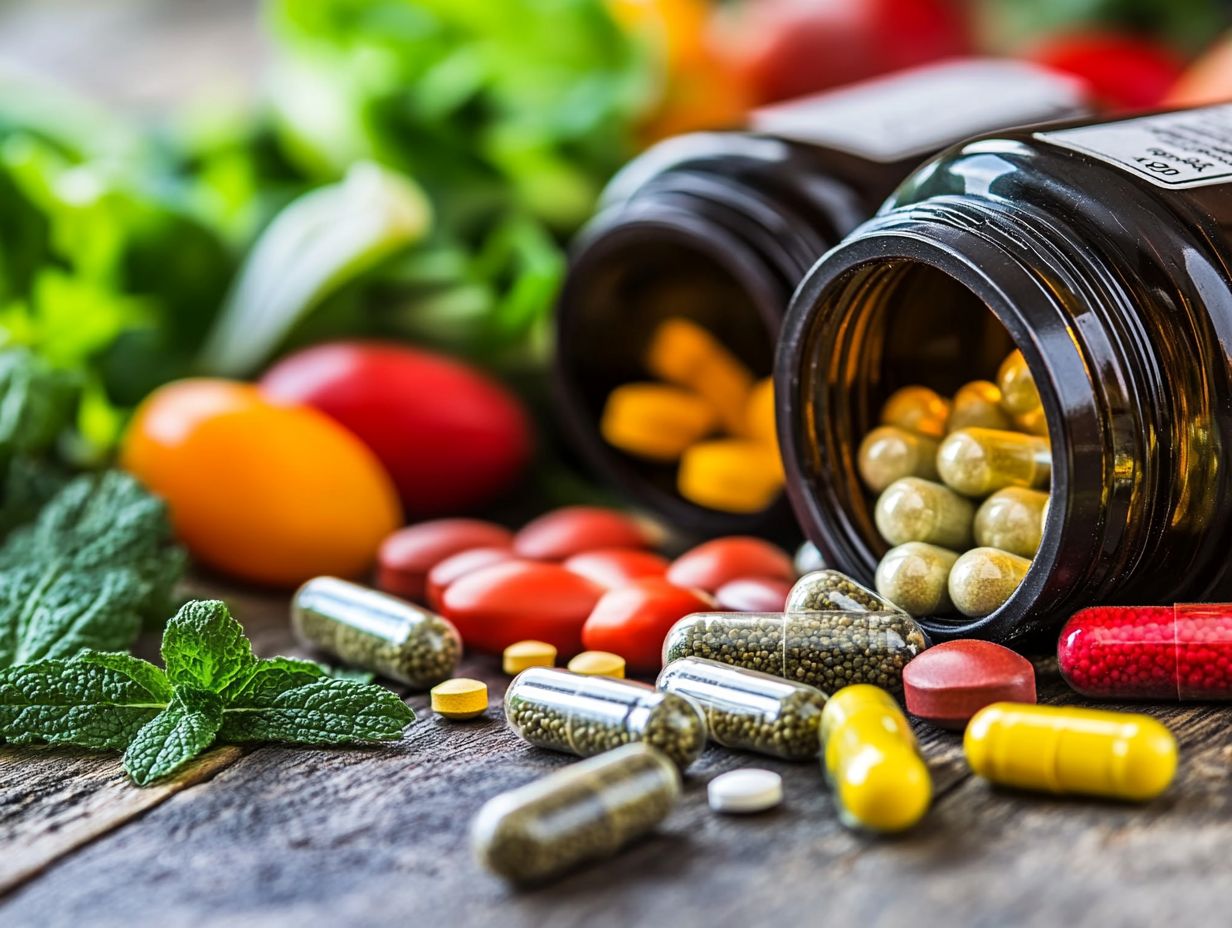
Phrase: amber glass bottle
[1103,252]
[721,227]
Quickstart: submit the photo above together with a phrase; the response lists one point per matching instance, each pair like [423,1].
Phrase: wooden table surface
[375,836]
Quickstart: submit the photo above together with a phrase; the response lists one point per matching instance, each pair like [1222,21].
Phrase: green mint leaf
[325,712]
[36,401]
[175,736]
[268,678]
[76,702]
[350,673]
[27,483]
[205,647]
[48,612]
[141,672]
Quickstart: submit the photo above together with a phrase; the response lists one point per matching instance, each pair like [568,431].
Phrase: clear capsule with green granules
[916,578]
[829,591]
[917,409]
[1019,394]
[912,509]
[587,715]
[585,812]
[889,453]
[1012,520]
[364,628]
[977,462]
[828,650]
[983,579]
[978,405]
[750,710]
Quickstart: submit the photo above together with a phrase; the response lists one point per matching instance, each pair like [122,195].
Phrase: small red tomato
[737,557]
[632,621]
[498,605]
[1123,72]
[564,532]
[459,565]
[614,567]
[408,554]
[753,594]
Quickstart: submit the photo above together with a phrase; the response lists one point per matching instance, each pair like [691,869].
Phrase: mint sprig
[213,690]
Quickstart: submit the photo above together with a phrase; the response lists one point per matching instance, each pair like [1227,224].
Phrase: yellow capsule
[984,578]
[889,453]
[655,421]
[977,462]
[460,698]
[912,509]
[732,475]
[759,414]
[598,664]
[978,404]
[1019,393]
[1065,749]
[880,782]
[916,578]
[1034,422]
[917,409]
[684,353]
[1012,520]
[522,654]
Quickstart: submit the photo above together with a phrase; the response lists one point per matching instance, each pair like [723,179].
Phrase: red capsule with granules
[1181,652]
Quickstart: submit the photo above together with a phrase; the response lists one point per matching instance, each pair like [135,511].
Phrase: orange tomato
[273,494]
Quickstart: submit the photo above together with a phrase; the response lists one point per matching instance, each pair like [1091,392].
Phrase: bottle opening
[670,332]
[888,460]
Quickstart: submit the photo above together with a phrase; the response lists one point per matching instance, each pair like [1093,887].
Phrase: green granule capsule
[976,462]
[889,452]
[1019,393]
[1012,520]
[912,509]
[915,577]
[978,405]
[983,579]
[587,715]
[830,591]
[828,650]
[585,812]
[363,628]
[917,409]
[750,710]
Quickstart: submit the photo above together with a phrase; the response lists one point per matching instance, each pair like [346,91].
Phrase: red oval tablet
[753,594]
[951,681]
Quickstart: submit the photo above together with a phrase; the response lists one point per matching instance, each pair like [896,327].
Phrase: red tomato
[450,437]
[459,565]
[737,557]
[632,621]
[565,532]
[1122,71]
[498,605]
[613,567]
[753,594]
[408,554]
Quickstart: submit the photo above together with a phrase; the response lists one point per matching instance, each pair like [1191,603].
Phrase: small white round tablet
[750,790]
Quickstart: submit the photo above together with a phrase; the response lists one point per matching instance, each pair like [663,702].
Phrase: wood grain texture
[378,836]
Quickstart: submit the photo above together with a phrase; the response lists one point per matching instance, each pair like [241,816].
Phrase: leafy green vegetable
[213,689]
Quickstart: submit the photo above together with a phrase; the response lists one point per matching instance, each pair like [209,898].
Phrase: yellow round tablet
[598,664]
[460,698]
[522,654]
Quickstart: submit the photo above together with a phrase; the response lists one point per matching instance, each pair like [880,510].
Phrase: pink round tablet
[951,681]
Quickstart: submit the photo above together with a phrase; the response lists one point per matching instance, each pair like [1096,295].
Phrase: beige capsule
[1019,394]
[978,404]
[983,579]
[1012,520]
[917,409]
[912,509]
[916,576]
[976,462]
[889,453]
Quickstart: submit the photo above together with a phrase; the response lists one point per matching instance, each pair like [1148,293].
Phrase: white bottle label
[923,110]
[1192,148]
